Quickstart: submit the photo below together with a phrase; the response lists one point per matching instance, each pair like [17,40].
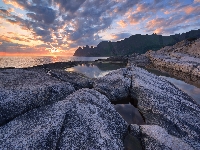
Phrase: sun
[53,49]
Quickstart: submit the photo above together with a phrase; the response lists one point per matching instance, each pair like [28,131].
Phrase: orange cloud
[166,12]
[5,38]
[140,8]
[155,22]
[122,23]
[158,31]
[189,9]
[11,10]
[14,3]
[196,1]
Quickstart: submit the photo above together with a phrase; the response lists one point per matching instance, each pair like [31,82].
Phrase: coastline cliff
[134,44]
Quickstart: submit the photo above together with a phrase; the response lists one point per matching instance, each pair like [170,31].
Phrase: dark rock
[84,120]
[138,60]
[132,143]
[22,90]
[135,44]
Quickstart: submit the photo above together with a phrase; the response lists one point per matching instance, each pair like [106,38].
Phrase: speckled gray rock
[92,123]
[159,101]
[78,80]
[22,90]
[155,137]
[163,104]
[84,120]
[115,85]
[183,56]
[138,60]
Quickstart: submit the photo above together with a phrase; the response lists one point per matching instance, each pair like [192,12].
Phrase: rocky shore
[54,109]
[181,60]
[183,56]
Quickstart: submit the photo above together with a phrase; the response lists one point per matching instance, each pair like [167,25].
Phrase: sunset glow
[54,27]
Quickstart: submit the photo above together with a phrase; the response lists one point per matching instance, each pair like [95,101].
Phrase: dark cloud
[13,21]
[69,5]
[42,13]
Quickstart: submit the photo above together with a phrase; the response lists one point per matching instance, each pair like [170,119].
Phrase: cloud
[196,1]
[42,13]
[13,21]
[120,36]
[122,23]
[69,5]
[72,23]
[4,12]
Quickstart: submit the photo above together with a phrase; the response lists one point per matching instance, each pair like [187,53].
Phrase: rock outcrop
[163,104]
[83,120]
[183,57]
[39,111]
[159,101]
[22,90]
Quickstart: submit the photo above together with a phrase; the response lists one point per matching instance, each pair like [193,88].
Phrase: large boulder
[163,104]
[115,85]
[84,120]
[22,90]
[158,100]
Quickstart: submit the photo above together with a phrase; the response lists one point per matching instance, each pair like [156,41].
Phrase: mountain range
[135,44]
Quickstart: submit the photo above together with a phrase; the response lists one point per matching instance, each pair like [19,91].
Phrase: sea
[127,111]
[30,61]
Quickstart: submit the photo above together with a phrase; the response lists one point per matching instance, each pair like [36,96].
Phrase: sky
[59,27]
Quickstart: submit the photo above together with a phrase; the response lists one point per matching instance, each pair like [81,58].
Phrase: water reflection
[129,113]
[191,90]
[97,70]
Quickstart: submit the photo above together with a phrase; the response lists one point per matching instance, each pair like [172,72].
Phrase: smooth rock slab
[84,120]
[22,90]
[115,85]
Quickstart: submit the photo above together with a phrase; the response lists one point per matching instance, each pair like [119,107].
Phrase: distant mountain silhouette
[135,44]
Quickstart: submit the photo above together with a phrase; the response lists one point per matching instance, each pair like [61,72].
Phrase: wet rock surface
[22,90]
[84,120]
